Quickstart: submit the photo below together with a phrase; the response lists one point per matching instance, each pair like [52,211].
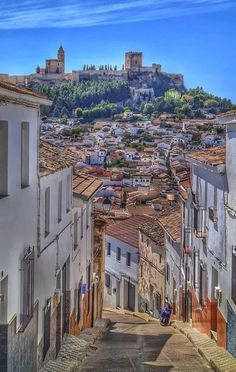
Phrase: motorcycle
[165,316]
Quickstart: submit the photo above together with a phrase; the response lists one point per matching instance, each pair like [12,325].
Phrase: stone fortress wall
[54,71]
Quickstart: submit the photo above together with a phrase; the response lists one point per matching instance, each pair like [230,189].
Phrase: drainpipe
[186,289]
[38,191]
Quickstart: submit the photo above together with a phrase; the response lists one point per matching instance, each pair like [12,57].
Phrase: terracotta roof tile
[85,186]
[154,231]
[21,90]
[212,156]
[171,223]
[128,230]
[53,158]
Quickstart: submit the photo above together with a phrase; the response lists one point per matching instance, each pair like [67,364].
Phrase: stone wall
[18,349]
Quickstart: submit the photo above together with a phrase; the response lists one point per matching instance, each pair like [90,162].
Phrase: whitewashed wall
[18,211]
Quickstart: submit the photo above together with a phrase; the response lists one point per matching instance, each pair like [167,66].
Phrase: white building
[121,264]
[171,224]
[19,135]
[204,241]
[83,282]
[98,157]
[141,180]
[54,248]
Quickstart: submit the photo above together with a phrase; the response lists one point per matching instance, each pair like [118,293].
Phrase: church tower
[61,56]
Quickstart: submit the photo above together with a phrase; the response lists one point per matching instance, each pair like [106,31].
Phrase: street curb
[74,349]
[218,358]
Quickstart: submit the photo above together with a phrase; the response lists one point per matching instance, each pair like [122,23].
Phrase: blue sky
[194,37]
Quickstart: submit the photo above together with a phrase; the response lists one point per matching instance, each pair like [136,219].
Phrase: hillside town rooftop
[213,156]
[53,158]
[127,230]
[21,90]
[154,231]
[85,186]
[171,223]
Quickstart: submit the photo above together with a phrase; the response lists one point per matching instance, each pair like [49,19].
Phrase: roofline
[169,234]
[132,245]
[83,197]
[219,169]
[4,91]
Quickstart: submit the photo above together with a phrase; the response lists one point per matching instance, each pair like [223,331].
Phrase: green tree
[148,109]
[79,112]
[64,112]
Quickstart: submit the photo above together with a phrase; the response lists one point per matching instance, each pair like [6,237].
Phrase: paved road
[134,345]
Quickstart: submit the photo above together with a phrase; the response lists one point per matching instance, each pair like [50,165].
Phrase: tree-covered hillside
[68,96]
[91,100]
[191,103]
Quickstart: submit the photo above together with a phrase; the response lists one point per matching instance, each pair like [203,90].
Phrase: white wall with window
[55,240]
[19,127]
[121,266]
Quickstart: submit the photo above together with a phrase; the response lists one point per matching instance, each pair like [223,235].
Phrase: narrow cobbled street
[132,344]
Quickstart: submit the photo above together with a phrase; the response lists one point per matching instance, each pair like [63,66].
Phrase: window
[59,216]
[167,272]
[128,258]
[233,286]
[68,190]
[27,288]
[108,249]
[107,281]
[203,285]
[24,154]
[47,212]
[76,230]
[89,284]
[160,258]
[118,253]
[147,242]
[87,215]
[141,238]
[82,223]
[3,158]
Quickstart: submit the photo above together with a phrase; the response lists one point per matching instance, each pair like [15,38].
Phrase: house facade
[19,307]
[207,270]
[151,268]
[121,264]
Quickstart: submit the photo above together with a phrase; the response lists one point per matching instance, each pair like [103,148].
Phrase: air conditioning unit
[218,293]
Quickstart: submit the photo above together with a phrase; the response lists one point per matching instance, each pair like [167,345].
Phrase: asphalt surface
[134,345]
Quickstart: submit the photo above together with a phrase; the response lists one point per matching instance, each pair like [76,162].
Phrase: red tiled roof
[127,230]
[185,184]
[171,223]
[21,90]
[231,112]
[212,156]
[53,158]
[85,185]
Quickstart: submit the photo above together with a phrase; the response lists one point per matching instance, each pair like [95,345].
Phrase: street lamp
[106,205]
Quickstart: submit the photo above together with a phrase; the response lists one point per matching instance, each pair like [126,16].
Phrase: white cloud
[17,14]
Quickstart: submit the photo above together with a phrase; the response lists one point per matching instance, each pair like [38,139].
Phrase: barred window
[27,288]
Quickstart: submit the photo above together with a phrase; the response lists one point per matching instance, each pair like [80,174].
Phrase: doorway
[117,293]
[131,296]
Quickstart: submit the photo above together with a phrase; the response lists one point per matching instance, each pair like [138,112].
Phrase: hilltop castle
[133,71]
[54,66]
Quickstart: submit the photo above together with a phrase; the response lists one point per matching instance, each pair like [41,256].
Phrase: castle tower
[61,56]
[133,60]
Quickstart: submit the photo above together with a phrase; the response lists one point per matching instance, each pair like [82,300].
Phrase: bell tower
[61,56]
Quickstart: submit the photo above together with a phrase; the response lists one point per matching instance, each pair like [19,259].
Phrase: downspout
[38,191]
